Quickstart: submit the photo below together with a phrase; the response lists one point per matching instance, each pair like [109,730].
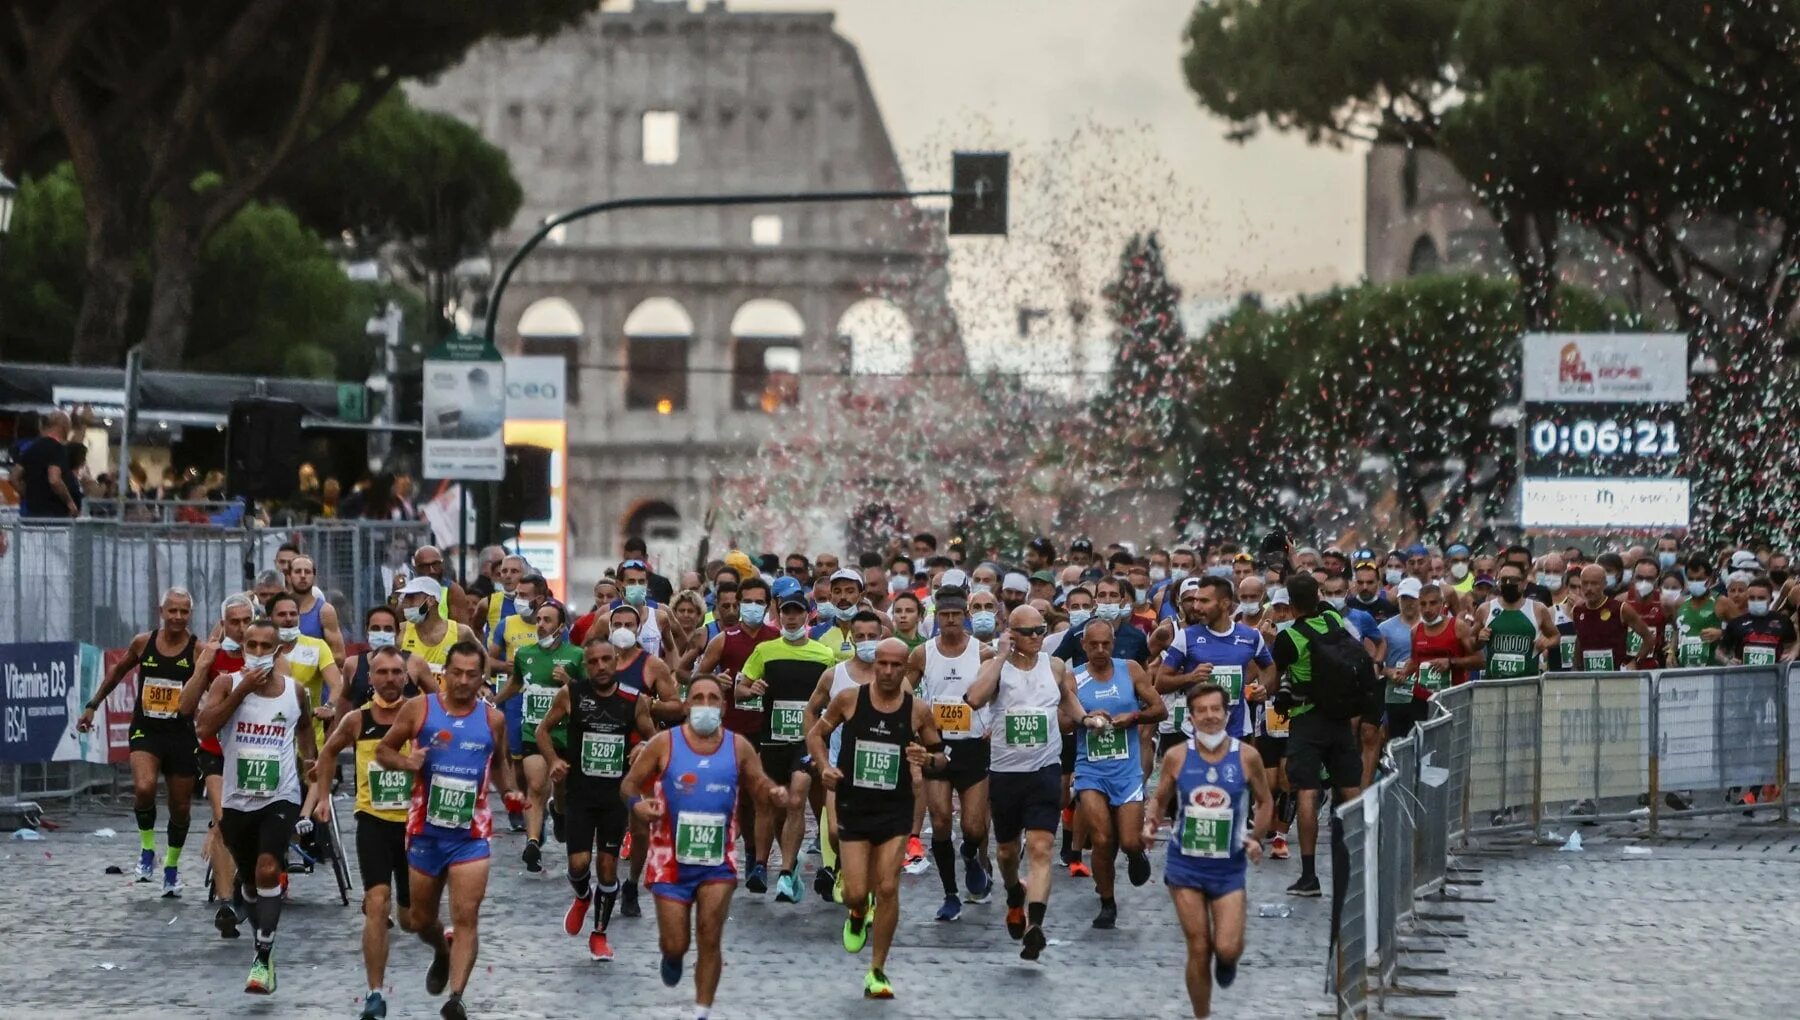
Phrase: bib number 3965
[1027,729]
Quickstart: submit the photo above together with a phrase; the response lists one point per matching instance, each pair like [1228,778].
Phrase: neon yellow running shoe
[876,986]
[262,977]
[856,933]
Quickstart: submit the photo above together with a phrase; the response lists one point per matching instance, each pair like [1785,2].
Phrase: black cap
[1043,546]
[793,602]
[1081,545]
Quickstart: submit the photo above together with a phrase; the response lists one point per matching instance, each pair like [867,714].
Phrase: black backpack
[1343,674]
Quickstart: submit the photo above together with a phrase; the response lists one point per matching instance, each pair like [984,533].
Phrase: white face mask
[1211,741]
[230,644]
[1178,573]
[793,633]
[1551,582]
[705,719]
[1158,574]
[1758,607]
[622,637]
[254,663]
[1696,588]
[865,650]
[549,640]
[381,639]
[1077,617]
[1394,575]
[1249,608]
[1283,624]
[1459,570]
[287,634]
[1432,621]
[414,614]
[1644,588]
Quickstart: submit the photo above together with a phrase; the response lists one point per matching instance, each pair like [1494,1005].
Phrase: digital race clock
[1602,440]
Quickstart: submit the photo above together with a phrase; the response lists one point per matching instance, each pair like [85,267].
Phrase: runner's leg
[712,904]
[1196,923]
[468,885]
[883,866]
[1094,814]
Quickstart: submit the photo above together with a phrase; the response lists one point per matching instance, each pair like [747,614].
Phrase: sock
[702,1012]
[1068,833]
[146,823]
[172,859]
[580,882]
[374,991]
[1034,914]
[1306,866]
[609,895]
[266,913]
[1108,901]
[943,853]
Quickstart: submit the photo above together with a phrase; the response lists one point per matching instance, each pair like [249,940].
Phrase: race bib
[1275,724]
[1177,706]
[258,775]
[750,703]
[699,838]
[1566,645]
[537,705]
[1507,664]
[1232,679]
[1598,662]
[1691,652]
[1206,832]
[162,698]
[1433,678]
[877,766]
[1027,727]
[389,789]
[1759,655]
[437,668]
[603,755]
[1106,745]
[1634,644]
[450,802]
[787,723]
[955,719]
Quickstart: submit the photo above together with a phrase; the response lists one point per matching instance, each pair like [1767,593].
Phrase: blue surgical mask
[752,613]
[636,593]
[414,614]
[1219,570]
[1077,617]
[1335,601]
[1178,574]
[981,623]
[1758,607]
[252,663]
[1108,611]
[1665,560]
[705,719]
[1393,575]
[793,633]
[229,645]
[377,639]
[979,587]
[865,650]
[1612,581]
[828,611]
[1283,624]
[1696,588]
[287,635]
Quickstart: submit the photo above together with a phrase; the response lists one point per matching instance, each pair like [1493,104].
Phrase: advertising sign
[43,686]
[464,411]
[1642,368]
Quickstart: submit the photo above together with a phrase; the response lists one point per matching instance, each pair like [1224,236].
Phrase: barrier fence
[1559,749]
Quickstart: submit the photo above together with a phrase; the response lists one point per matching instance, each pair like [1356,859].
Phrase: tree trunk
[177,258]
[106,287]
[1530,239]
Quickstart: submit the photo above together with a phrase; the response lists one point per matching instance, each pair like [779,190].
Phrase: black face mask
[1511,590]
[1779,577]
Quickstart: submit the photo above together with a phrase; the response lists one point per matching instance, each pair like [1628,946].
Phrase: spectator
[47,484]
[329,496]
[76,480]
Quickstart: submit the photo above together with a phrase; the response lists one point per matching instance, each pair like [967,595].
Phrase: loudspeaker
[262,458]
[525,491]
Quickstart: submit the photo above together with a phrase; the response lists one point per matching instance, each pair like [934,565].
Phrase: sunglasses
[1038,631]
[797,571]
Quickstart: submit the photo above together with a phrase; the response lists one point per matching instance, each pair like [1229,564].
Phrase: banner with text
[43,686]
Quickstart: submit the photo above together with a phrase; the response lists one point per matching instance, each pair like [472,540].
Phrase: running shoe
[978,881]
[671,971]
[856,931]
[171,883]
[577,914]
[915,850]
[262,976]
[1079,869]
[1015,922]
[1278,847]
[1224,973]
[1108,917]
[1305,885]
[598,949]
[438,977]
[628,901]
[757,879]
[787,888]
[812,847]
[533,856]
[951,910]
[226,920]
[823,882]
[1137,867]
[516,820]
[1034,943]
[374,1007]
[146,869]
[876,986]
[453,1008]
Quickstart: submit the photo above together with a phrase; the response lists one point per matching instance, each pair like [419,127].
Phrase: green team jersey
[1512,640]
[1692,617]
[534,666]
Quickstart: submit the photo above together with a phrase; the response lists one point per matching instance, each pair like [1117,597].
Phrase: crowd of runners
[680,737]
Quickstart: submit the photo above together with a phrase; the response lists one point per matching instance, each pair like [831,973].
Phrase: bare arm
[419,672]
[652,761]
[196,684]
[986,685]
[1262,810]
[334,632]
[503,776]
[116,676]
[816,702]
[915,666]
[818,735]
[341,736]
[546,744]
[1070,708]
[710,657]
[1635,620]
[667,706]
[1160,801]
[222,700]
[1472,657]
[406,726]
[1150,707]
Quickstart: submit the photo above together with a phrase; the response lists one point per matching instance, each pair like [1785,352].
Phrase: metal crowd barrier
[98,581]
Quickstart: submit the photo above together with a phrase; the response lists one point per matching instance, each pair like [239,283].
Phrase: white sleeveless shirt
[261,767]
[1025,735]
[944,682]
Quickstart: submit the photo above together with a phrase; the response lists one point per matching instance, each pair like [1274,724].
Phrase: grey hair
[176,591]
[268,577]
[234,601]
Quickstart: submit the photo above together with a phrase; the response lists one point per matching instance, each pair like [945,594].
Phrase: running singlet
[649,631]
[743,715]
[535,666]
[791,673]
[258,741]
[836,637]
[841,681]
[601,729]
[307,662]
[1025,736]
[877,779]
[1647,655]
[1427,647]
[1600,636]
[380,793]
[160,679]
[501,607]
[357,688]
[449,797]
[1397,634]
[222,662]
[944,682]
[1563,656]
[1758,640]
[1210,808]
[1691,619]
[435,655]
[1231,652]
[1512,640]
[1113,750]
[312,622]
[698,827]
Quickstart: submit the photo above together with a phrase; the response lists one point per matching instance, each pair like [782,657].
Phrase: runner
[382,797]
[1514,631]
[318,618]
[539,671]
[1214,842]
[1213,649]
[224,654]
[653,617]
[859,670]
[260,717]
[835,613]
[1033,697]
[885,732]
[740,613]
[428,561]
[456,739]
[652,687]
[603,726]
[162,738]
[381,629]
[428,634]
[1444,648]
[508,600]
[1644,597]
[1272,724]
[942,670]
[1116,697]
[784,672]
[1698,629]
[518,630]
[1601,623]
[310,661]
[693,862]
[1759,637]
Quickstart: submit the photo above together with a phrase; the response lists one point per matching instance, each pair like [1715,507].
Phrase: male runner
[318,618]
[162,739]
[1759,637]
[260,716]
[224,654]
[653,616]
[1116,698]
[1213,649]
[382,798]
[457,742]
[885,732]
[309,660]
[683,786]
[741,613]
[603,725]
[942,670]
[651,685]
[1033,698]
[539,671]
[428,561]
[507,600]
[1514,631]
[518,630]
[784,672]
[1698,629]
[1204,781]
[428,633]
[381,629]
[858,670]
[1601,623]
[833,628]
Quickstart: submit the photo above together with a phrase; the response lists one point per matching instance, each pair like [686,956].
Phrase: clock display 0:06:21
[1585,437]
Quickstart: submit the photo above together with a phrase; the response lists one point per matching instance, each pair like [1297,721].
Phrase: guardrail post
[1537,762]
[1782,724]
[1655,757]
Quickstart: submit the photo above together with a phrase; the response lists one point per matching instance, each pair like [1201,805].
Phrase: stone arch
[550,318]
[767,336]
[659,524]
[658,334]
[1424,258]
[878,335]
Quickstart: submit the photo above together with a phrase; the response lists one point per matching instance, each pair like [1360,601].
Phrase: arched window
[1424,259]
[879,337]
[765,362]
[658,333]
[550,318]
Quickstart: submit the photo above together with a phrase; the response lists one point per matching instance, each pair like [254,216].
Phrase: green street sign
[464,347]
[353,402]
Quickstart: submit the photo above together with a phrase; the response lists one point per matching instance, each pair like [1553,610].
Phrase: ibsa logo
[1209,797]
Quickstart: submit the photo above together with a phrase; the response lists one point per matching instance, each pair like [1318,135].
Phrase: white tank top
[650,635]
[261,767]
[841,681]
[1025,735]
[945,680]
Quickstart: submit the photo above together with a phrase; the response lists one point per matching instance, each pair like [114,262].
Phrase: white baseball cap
[423,585]
[1408,588]
[1744,559]
[1188,584]
[846,574]
[1016,582]
[1279,597]
[954,578]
